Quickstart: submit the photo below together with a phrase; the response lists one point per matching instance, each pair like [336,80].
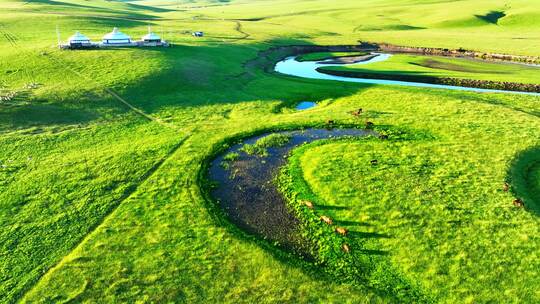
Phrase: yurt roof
[116,35]
[151,36]
[78,37]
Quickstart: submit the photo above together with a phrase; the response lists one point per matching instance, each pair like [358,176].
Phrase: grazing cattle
[506,187]
[327,220]
[383,136]
[345,248]
[308,204]
[374,162]
[519,203]
[369,125]
[357,112]
[342,231]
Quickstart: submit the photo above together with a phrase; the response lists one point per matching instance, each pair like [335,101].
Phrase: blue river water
[308,69]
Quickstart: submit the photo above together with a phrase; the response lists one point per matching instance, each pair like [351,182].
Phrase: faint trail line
[12,39]
[239,29]
[108,213]
[115,95]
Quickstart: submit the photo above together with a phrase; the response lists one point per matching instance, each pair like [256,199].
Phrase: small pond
[248,195]
[304,105]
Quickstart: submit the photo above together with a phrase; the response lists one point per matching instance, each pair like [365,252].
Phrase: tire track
[115,95]
[108,213]
[239,29]
[13,40]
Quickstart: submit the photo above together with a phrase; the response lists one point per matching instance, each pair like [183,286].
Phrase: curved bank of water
[246,192]
[308,69]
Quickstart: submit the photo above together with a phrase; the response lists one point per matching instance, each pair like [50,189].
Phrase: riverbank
[265,59]
[470,83]
[387,47]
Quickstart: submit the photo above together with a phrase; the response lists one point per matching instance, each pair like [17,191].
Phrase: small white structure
[151,38]
[79,40]
[116,38]
[112,39]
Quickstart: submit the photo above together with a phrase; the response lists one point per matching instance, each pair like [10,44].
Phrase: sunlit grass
[100,203]
[437,67]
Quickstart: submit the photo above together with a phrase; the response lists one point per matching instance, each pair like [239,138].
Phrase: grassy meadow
[327,55]
[101,152]
[437,67]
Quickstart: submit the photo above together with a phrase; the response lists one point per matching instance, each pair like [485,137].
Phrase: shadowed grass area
[492,17]
[524,177]
[441,67]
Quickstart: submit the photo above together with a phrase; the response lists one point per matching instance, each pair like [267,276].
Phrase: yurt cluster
[113,39]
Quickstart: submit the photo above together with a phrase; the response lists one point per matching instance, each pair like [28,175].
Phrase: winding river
[308,69]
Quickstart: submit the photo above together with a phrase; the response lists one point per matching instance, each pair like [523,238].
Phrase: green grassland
[432,203]
[327,55]
[438,67]
[101,152]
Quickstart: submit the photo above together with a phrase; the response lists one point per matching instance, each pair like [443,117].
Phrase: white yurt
[151,37]
[79,39]
[116,37]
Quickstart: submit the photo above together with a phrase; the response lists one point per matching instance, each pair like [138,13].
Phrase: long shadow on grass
[524,178]
[132,11]
[330,207]
[38,115]
[193,77]
[369,235]
[201,76]
[352,223]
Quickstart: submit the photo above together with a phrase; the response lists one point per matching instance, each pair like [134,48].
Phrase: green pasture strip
[327,55]
[439,67]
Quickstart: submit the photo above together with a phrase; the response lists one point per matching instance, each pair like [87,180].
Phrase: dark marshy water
[248,195]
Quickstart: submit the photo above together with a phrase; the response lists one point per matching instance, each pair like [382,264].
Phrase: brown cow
[327,220]
[519,203]
[308,204]
[357,112]
[342,231]
[345,248]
